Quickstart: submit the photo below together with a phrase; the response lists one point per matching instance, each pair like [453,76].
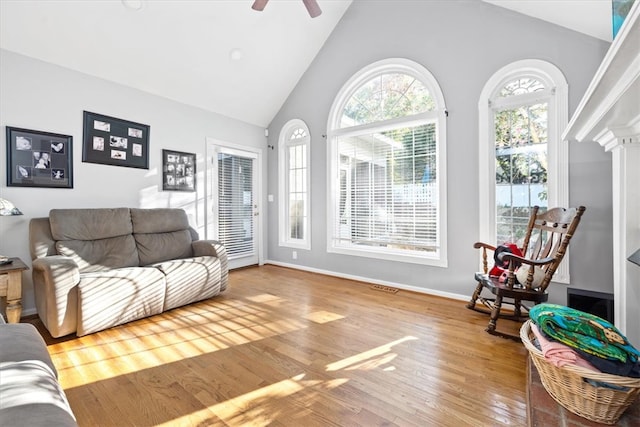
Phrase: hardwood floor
[283,347]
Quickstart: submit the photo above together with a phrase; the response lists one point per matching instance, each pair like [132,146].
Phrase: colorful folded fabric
[559,354]
[586,332]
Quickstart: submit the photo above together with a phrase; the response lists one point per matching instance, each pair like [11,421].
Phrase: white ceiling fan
[311,5]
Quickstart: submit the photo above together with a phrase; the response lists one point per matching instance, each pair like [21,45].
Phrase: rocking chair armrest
[508,256]
[484,247]
[478,245]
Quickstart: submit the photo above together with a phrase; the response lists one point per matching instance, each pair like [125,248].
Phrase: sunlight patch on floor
[108,354]
[265,298]
[369,359]
[254,405]
[250,406]
[323,316]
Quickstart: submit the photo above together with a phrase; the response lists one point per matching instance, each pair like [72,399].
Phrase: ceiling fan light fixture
[259,5]
[236,54]
[312,8]
[133,4]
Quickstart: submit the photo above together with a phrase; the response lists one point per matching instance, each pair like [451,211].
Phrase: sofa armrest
[30,394]
[55,280]
[209,248]
[21,342]
[215,249]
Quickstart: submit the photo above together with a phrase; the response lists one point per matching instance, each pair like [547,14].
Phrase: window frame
[284,214]
[437,116]
[556,95]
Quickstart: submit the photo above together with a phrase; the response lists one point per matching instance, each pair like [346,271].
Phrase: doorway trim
[212,148]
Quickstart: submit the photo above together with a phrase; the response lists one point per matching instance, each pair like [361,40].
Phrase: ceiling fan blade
[312,7]
[259,5]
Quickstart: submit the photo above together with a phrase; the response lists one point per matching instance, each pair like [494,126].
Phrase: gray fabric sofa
[97,268]
[30,394]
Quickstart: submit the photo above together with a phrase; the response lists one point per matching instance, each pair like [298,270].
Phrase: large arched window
[294,185]
[523,162]
[386,168]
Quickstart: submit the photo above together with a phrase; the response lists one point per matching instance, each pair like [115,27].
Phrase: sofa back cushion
[41,242]
[161,234]
[95,238]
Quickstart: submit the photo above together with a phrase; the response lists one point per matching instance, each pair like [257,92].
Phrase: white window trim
[391,65]
[557,151]
[283,188]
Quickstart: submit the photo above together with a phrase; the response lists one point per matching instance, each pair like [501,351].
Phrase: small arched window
[294,185]
[387,165]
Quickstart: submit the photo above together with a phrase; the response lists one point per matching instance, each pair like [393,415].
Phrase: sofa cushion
[161,234]
[191,279]
[113,297]
[89,224]
[166,220]
[96,239]
[95,255]
[158,247]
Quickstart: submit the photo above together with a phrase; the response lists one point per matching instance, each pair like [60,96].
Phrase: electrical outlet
[294,255]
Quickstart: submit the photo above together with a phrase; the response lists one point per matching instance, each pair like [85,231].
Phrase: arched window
[294,185]
[386,168]
[523,161]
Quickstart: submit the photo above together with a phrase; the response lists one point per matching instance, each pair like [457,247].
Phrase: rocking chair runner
[545,244]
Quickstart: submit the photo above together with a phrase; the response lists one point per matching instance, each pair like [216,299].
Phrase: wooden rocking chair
[545,244]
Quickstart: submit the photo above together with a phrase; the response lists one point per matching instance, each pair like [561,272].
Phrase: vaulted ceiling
[218,55]
[592,17]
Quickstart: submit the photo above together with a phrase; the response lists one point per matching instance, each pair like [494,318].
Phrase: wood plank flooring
[283,347]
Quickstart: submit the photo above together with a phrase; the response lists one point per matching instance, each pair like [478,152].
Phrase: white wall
[462,43]
[40,96]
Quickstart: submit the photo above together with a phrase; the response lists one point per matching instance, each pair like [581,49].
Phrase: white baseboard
[28,312]
[421,290]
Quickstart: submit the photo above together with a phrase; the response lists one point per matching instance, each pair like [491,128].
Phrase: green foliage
[521,161]
[518,133]
[386,97]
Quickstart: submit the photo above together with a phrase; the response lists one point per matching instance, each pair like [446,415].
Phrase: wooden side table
[11,288]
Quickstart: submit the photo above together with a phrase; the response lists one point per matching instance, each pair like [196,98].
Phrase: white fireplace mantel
[609,113]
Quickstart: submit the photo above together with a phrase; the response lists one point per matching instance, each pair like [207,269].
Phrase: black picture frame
[178,171]
[111,141]
[39,159]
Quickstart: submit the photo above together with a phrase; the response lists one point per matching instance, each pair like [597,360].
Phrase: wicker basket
[568,386]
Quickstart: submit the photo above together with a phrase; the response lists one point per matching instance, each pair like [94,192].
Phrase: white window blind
[297,155]
[235,205]
[389,190]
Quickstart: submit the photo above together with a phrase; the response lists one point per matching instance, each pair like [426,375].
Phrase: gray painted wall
[462,43]
[40,96]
